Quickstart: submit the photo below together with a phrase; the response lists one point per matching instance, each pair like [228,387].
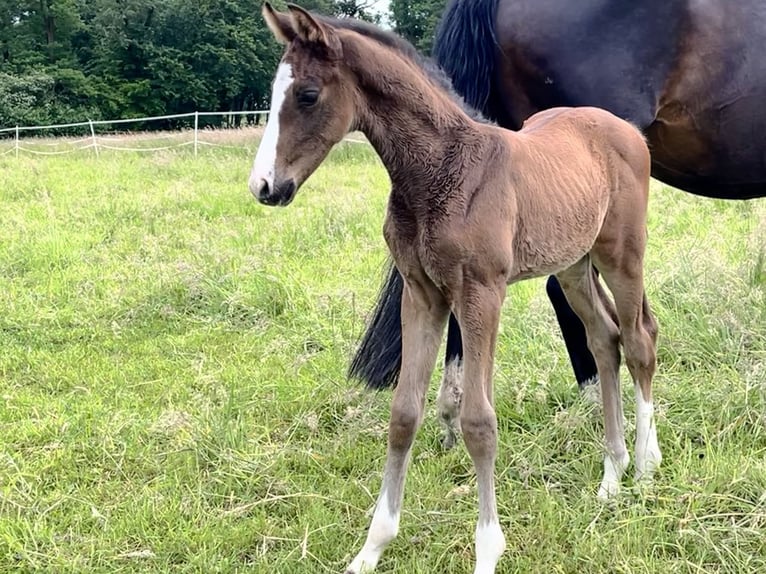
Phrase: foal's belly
[533,259]
[556,228]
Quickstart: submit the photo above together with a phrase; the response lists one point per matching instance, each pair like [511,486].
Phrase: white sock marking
[490,544]
[383,529]
[265,158]
[614,468]
[648,455]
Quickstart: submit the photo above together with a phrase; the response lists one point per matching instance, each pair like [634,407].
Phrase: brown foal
[473,208]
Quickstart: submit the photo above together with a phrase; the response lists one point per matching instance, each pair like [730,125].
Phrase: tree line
[72,60]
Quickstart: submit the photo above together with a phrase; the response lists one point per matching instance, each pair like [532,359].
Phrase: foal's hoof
[608,490]
[449,439]
[614,468]
[645,472]
[450,425]
[591,390]
[363,569]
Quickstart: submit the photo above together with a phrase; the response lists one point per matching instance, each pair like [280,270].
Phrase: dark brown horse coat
[690,74]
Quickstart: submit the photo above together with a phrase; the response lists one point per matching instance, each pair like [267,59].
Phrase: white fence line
[133,120]
[96,142]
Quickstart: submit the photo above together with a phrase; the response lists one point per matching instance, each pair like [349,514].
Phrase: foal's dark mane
[391,40]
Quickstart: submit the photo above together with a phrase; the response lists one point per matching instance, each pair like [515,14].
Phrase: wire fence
[190,130]
[97,135]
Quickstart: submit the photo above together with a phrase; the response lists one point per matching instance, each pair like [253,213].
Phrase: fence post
[93,135]
[196,128]
[17,142]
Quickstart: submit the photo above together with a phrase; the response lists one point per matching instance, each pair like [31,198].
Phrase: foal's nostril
[263,189]
[265,194]
[259,187]
[274,192]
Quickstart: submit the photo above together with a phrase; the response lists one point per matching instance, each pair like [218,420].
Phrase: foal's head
[312,105]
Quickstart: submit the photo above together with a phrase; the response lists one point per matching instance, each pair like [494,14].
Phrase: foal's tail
[378,359]
[465,47]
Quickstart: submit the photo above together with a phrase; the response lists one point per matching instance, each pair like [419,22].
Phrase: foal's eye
[307,97]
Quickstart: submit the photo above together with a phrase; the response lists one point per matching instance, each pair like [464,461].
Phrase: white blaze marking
[648,456]
[383,530]
[263,167]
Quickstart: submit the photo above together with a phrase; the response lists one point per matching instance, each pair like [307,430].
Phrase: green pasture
[173,394]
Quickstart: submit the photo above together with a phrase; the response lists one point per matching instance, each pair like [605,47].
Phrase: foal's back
[588,141]
[576,175]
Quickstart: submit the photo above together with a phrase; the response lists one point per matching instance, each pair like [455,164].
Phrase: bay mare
[472,209]
[690,74]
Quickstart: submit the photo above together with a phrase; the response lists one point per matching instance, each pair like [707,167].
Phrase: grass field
[173,355]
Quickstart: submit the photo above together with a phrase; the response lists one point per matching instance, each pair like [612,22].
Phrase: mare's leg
[591,304]
[424,314]
[479,316]
[451,390]
[573,332]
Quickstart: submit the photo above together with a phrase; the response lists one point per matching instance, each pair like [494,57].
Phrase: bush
[25,100]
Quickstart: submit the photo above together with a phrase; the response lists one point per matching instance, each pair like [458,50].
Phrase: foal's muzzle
[281,193]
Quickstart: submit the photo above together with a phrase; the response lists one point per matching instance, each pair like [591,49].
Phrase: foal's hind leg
[641,360]
[451,390]
[573,333]
[638,331]
[424,314]
[594,309]
[479,316]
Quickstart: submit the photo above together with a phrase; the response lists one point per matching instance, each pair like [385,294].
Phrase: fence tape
[63,152]
[125,148]
[110,141]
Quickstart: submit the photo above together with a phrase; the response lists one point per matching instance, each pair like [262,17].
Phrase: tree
[70,60]
[417,20]
[356,9]
[35,31]
[24,100]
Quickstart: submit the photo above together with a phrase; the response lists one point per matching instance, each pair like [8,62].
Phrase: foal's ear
[279,23]
[311,30]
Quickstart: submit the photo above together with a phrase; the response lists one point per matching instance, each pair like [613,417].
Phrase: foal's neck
[417,130]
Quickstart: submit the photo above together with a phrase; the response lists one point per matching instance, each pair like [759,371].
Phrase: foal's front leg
[424,314]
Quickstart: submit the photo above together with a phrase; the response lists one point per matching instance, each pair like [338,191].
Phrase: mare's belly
[717,152]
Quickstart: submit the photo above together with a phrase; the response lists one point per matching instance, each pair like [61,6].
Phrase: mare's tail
[379,357]
[465,47]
